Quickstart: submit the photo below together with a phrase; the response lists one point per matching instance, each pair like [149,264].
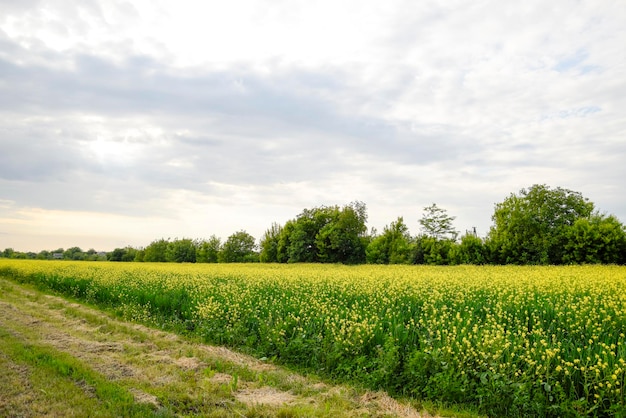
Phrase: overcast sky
[126,121]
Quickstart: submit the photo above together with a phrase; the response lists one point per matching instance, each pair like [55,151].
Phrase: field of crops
[512,341]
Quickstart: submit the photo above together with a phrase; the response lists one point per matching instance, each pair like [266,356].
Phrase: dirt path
[171,374]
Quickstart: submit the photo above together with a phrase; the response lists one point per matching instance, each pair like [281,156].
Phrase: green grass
[59,358]
[61,382]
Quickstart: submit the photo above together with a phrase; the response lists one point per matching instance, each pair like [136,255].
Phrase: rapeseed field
[509,340]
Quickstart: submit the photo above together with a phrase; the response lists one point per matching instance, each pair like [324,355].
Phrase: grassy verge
[61,358]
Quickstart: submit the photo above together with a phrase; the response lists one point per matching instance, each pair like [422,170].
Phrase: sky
[122,122]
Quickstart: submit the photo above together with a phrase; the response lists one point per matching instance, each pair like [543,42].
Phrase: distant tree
[342,238]
[156,251]
[269,244]
[44,255]
[117,254]
[181,251]
[284,242]
[471,250]
[433,251]
[130,254]
[239,247]
[140,255]
[209,250]
[597,239]
[436,223]
[393,246]
[73,253]
[531,227]
[8,253]
[302,239]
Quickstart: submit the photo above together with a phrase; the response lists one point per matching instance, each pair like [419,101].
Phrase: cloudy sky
[126,121]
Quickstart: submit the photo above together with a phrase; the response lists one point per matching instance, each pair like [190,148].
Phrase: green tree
[471,250]
[393,246]
[431,250]
[284,242]
[436,223]
[8,253]
[302,239]
[130,255]
[117,254]
[343,237]
[240,247]
[73,253]
[209,250]
[530,227]
[44,255]
[599,239]
[139,255]
[156,251]
[269,244]
[181,251]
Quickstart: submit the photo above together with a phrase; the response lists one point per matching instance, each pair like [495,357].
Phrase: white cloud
[168,115]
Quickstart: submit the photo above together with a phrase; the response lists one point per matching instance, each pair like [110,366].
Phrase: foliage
[155,252]
[181,251]
[433,251]
[209,250]
[269,244]
[323,234]
[598,239]
[393,246]
[123,254]
[531,227]
[341,239]
[239,248]
[539,225]
[436,223]
[510,340]
[471,250]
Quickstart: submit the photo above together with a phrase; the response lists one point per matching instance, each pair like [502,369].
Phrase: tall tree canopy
[240,247]
[393,246]
[436,223]
[329,234]
[531,227]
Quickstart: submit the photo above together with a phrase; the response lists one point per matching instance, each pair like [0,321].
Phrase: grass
[60,358]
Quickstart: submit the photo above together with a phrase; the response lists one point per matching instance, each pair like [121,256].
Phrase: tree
[530,227]
[239,247]
[284,241]
[117,254]
[209,250]
[342,238]
[74,253]
[302,239]
[393,246]
[44,255]
[269,244]
[431,250]
[181,251]
[329,234]
[125,254]
[599,239]
[8,253]
[437,223]
[155,252]
[471,250]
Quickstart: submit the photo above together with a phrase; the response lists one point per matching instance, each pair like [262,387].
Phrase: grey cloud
[247,110]
[237,127]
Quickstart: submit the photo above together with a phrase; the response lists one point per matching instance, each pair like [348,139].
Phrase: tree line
[538,225]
